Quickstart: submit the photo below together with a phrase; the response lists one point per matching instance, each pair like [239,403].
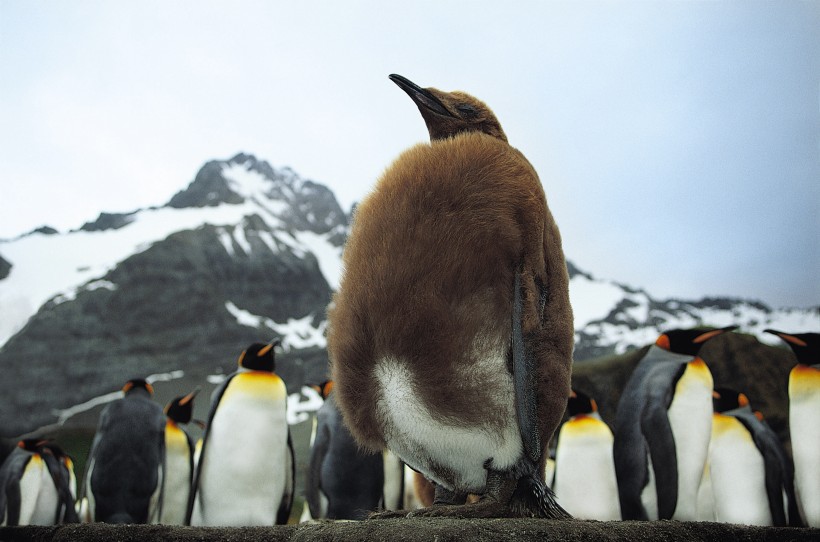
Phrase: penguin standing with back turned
[125,472]
[179,459]
[662,428]
[245,472]
[343,481]
[804,421]
[749,470]
[451,334]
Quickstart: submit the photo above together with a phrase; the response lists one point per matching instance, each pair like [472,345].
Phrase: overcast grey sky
[678,142]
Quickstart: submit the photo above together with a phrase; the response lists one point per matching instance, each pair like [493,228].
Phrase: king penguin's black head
[136,384]
[580,403]
[259,357]
[31,444]
[726,399]
[324,388]
[181,409]
[806,346]
[689,341]
[449,113]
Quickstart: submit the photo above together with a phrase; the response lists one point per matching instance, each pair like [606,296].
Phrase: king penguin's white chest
[39,498]
[585,482]
[804,429]
[690,417]
[738,474]
[243,467]
[178,475]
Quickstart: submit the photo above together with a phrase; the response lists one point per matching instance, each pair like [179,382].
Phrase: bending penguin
[451,334]
[126,465]
[179,459]
[343,482]
[245,472]
[804,421]
[749,470]
[662,428]
[584,479]
[35,485]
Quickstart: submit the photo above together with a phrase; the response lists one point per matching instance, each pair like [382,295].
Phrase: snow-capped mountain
[244,253]
[612,318]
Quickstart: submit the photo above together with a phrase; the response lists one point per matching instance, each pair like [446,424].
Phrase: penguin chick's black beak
[422,97]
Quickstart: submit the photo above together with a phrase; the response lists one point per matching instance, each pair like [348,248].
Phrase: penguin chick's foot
[525,497]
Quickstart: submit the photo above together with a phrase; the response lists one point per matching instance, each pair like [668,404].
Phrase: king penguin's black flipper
[524,380]
[216,396]
[314,477]
[285,506]
[659,438]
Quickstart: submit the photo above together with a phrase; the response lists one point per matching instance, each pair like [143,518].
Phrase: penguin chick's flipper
[531,497]
[524,379]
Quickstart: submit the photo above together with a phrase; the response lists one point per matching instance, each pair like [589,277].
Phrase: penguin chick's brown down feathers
[453,312]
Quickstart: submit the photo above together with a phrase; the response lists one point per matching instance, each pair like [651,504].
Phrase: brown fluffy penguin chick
[451,333]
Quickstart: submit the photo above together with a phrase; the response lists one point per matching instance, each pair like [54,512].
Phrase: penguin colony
[454,280]
[142,466]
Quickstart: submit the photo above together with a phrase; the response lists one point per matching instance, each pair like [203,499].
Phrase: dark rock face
[208,189]
[109,221]
[5,268]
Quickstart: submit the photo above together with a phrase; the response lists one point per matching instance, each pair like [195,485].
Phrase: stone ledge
[420,529]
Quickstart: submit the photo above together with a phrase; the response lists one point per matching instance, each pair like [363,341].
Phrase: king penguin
[343,481]
[749,471]
[584,479]
[450,337]
[245,473]
[35,485]
[125,472]
[179,459]
[804,421]
[662,428]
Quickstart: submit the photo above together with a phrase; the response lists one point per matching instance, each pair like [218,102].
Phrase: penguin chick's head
[138,384]
[806,346]
[181,409]
[259,357]
[726,399]
[580,403]
[449,113]
[688,341]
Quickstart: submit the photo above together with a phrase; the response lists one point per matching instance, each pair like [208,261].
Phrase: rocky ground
[418,529]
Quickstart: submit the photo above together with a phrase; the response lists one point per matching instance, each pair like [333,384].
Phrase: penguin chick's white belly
[804,428]
[452,455]
[585,482]
[244,462]
[690,417]
[178,475]
[738,475]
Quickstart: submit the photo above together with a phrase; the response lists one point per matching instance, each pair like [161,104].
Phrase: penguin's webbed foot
[533,498]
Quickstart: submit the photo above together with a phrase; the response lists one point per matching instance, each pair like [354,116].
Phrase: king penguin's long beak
[422,97]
